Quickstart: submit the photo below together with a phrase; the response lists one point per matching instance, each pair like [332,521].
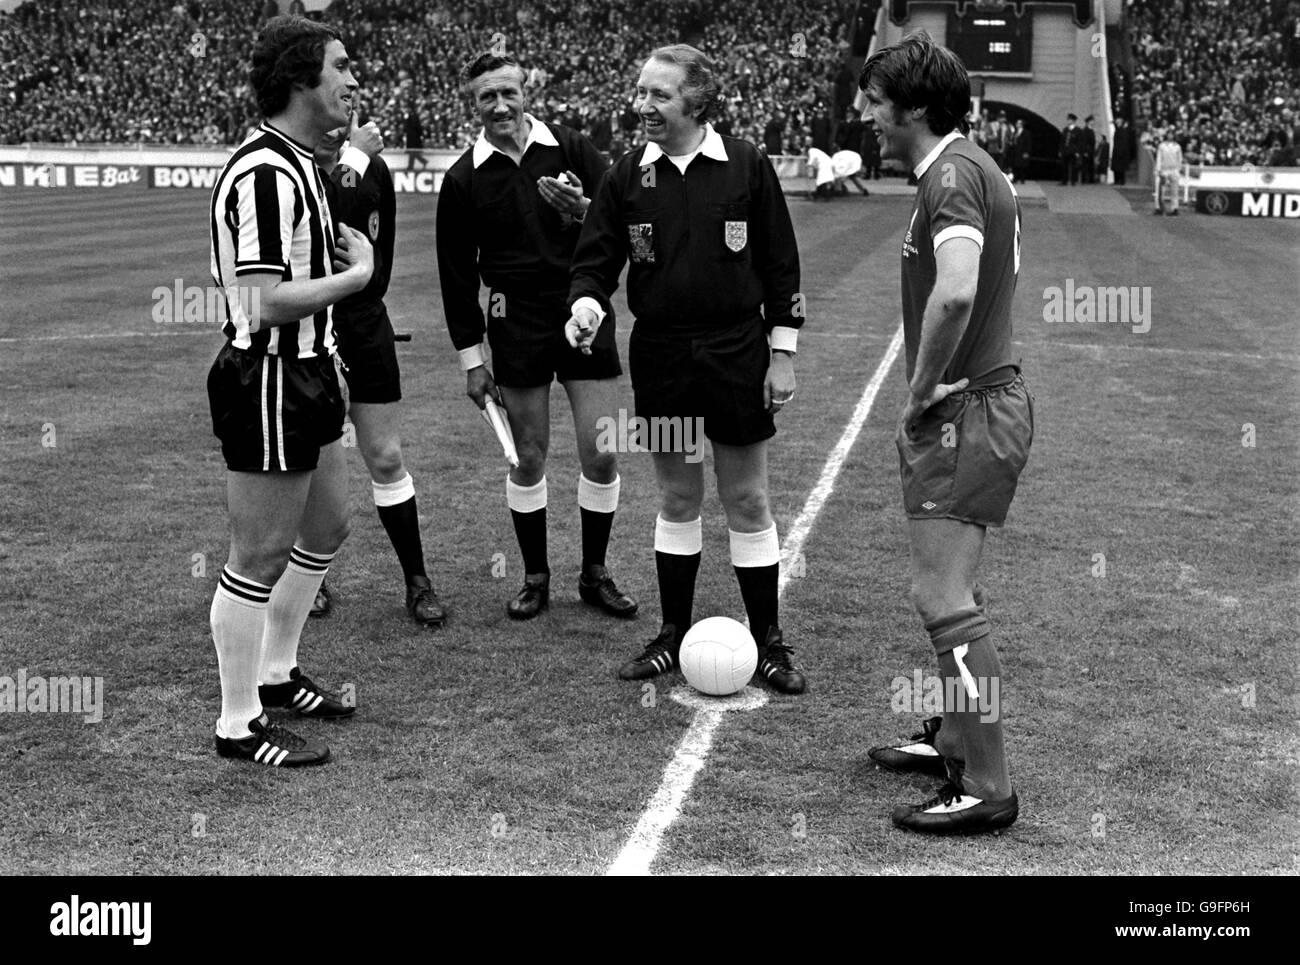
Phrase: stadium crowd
[161,71]
[1223,74]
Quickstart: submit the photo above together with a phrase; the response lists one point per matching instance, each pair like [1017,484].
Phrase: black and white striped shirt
[270,214]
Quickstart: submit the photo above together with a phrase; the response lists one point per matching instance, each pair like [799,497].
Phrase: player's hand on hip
[479,386]
[778,386]
[581,328]
[564,194]
[353,255]
[915,407]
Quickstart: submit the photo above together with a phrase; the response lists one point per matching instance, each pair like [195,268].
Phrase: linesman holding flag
[714,286]
[509,212]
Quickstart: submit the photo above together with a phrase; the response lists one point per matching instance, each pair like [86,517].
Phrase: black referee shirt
[492,222]
[708,249]
[366,201]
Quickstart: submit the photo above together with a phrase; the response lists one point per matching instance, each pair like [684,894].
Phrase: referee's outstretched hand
[354,256]
[580,329]
[479,385]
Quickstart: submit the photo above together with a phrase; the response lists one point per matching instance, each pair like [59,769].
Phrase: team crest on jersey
[641,242]
[736,235]
[373,225]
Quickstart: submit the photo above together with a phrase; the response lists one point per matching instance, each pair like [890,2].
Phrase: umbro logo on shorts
[927,505]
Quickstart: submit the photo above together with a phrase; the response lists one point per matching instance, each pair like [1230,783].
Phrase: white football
[718,656]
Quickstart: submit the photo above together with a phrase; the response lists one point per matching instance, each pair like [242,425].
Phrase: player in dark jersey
[509,212]
[361,195]
[966,427]
[273,389]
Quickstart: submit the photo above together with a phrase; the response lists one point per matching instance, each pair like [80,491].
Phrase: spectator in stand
[1123,150]
[1022,148]
[1088,151]
[1101,157]
[1070,150]
[774,134]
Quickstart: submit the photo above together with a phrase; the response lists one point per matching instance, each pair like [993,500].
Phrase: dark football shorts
[715,376]
[273,414]
[369,355]
[966,454]
[526,334]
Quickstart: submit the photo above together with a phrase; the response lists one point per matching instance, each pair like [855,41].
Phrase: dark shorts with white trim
[713,375]
[273,414]
[964,459]
[369,354]
[525,331]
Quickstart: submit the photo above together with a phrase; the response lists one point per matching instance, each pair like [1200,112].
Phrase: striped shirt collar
[538,133]
[711,146]
[933,156]
[304,151]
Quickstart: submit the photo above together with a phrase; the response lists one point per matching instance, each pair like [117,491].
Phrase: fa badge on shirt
[736,235]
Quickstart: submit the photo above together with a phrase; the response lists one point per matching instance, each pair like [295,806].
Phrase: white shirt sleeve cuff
[355,158]
[959,231]
[784,338]
[587,301]
[472,357]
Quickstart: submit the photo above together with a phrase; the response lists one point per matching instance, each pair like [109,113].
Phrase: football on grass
[718,656]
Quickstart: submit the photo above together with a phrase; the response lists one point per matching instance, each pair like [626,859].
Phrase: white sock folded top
[679,539]
[526,499]
[755,549]
[598,497]
[393,493]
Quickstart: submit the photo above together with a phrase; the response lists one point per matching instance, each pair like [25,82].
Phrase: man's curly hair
[288,51]
[700,88]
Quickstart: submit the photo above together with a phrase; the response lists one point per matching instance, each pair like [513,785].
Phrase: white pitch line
[643,844]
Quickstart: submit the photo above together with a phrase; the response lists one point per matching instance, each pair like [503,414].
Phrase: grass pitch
[1150,711]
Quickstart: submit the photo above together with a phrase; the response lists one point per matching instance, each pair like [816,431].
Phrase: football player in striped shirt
[274,390]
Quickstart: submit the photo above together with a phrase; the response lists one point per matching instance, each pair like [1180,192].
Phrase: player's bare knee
[600,467]
[679,505]
[747,510]
[385,464]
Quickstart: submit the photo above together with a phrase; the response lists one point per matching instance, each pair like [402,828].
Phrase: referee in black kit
[509,211]
[361,196]
[714,275]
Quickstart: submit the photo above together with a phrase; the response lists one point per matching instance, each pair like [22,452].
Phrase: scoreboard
[993,39]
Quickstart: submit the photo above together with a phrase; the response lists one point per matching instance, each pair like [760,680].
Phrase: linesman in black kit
[509,212]
[714,288]
[361,196]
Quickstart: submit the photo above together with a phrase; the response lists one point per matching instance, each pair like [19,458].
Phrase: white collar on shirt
[711,146]
[538,133]
[933,155]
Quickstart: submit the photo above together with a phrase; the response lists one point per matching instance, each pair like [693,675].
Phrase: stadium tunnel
[1045,137]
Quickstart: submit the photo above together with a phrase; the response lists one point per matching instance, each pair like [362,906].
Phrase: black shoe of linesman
[300,693]
[532,599]
[323,603]
[273,745]
[659,656]
[953,811]
[917,755]
[422,603]
[776,664]
[596,587]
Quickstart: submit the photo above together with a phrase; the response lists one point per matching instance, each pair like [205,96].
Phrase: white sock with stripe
[238,621]
[291,601]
